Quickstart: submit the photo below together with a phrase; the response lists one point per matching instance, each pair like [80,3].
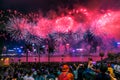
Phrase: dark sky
[28,5]
[46,5]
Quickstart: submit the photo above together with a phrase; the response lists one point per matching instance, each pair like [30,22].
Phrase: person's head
[65,68]
[39,73]
[29,73]
[103,68]
[90,64]
[51,71]
[90,61]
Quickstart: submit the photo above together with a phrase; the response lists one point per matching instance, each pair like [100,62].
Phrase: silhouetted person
[103,75]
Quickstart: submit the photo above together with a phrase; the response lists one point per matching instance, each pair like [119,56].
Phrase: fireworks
[17,28]
[32,39]
[43,27]
[64,24]
[33,28]
[107,24]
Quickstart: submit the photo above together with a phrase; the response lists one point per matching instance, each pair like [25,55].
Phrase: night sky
[46,5]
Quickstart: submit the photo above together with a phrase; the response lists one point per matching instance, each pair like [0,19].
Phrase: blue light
[14,48]
[19,50]
[10,50]
[33,44]
[43,46]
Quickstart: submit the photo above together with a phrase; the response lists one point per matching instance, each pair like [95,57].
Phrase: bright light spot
[19,50]
[43,46]
[73,50]
[7,58]
[35,50]
[79,49]
[2,59]
[10,50]
[14,48]
[67,44]
[118,43]
[21,47]
[33,44]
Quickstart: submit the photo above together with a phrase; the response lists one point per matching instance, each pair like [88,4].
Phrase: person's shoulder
[25,77]
[70,75]
[31,78]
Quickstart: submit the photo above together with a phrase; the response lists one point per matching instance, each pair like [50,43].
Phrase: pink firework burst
[42,28]
[107,23]
[64,24]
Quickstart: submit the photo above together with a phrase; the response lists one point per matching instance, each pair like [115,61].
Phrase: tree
[111,55]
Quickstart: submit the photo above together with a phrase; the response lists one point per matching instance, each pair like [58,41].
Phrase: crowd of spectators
[113,58]
[60,71]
